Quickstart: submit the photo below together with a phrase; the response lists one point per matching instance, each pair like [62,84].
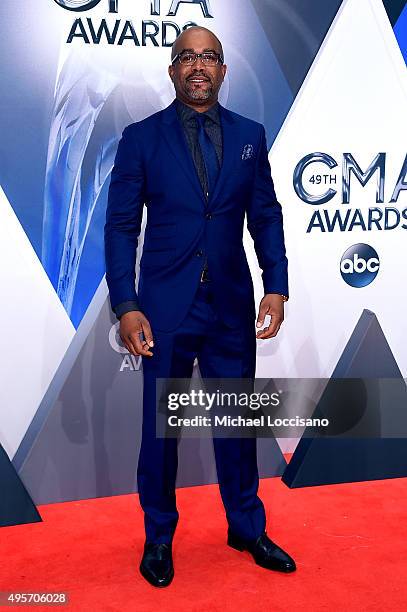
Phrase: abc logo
[359,265]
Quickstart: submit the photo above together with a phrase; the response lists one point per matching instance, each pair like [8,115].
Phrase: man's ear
[171,72]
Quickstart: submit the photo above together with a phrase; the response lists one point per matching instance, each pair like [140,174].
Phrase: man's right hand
[132,325]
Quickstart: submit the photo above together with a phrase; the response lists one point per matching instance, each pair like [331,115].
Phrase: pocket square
[247,151]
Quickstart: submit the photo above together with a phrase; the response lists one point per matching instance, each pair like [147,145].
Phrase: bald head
[187,38]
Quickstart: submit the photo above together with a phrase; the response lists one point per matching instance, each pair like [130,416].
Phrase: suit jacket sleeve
[123,220]
[265,224]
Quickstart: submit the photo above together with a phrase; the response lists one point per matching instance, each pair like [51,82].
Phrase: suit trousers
[221,352]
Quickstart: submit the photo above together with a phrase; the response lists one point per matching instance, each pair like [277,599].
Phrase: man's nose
[199,62]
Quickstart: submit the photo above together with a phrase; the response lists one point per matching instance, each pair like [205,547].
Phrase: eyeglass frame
[219,56]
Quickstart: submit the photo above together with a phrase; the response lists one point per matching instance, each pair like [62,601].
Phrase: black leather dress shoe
[156,565]
[265,552]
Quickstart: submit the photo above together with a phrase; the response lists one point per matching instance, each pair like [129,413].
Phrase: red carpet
[349,541]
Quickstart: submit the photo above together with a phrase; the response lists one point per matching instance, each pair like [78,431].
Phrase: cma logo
[129,362]
[113,6]
[359,265]
[349,166]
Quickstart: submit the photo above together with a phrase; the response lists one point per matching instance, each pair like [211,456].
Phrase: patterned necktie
[208,153]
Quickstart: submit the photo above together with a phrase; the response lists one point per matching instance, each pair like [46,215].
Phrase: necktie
[208,153]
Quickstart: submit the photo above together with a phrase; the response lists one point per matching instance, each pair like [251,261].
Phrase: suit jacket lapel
[174,135]
[228,148]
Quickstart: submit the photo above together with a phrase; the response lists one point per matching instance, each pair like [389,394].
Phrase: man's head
[198,83]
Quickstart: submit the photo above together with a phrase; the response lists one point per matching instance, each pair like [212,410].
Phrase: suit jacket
[154,167]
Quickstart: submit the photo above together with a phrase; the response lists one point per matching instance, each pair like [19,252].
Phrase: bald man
[200,169]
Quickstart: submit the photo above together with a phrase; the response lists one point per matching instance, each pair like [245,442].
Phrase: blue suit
[153,166]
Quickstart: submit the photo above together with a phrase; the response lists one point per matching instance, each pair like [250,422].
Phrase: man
[199,169]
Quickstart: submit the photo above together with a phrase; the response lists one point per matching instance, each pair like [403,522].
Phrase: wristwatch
[285,297]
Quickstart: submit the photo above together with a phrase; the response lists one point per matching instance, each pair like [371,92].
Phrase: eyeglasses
[187,58]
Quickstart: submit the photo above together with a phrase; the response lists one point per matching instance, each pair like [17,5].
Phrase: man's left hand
[272,304]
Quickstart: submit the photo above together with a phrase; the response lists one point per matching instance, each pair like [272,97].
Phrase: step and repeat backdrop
[327,78]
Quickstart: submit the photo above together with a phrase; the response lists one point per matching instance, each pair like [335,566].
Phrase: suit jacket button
[199,253]
[208,216]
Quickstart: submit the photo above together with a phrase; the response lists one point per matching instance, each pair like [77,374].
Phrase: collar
[185,112]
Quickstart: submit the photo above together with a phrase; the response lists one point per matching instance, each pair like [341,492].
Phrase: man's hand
[132,325]
[272,304]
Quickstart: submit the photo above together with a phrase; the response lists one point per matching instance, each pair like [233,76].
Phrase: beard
[198,93]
